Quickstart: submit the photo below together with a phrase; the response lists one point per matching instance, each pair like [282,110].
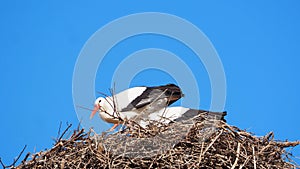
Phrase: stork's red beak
[96,108]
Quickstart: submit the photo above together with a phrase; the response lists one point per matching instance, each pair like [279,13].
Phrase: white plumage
[139,103]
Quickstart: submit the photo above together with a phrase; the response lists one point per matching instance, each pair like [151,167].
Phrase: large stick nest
[203,144]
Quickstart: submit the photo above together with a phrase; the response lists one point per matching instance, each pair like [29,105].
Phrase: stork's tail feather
[217,115]
[192,113]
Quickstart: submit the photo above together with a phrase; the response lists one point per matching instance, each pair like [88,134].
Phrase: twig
[84,108]
[201,151]
[58,133]
[69,126]
[106,98]
[78,127]
[245,162]
[2,164]
[168,102]
[213,141]
[254,160]
[15,160]
[149,105]
[24,160]
[237,156]
[113,105]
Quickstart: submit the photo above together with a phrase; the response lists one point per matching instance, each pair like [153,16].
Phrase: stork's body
[137,102]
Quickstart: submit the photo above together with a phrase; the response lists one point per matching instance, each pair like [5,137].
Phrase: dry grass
[203,144]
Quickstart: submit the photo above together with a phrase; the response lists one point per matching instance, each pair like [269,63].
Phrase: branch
[15,160]
[69,126]
[2,164]
[24,160]
[58,133]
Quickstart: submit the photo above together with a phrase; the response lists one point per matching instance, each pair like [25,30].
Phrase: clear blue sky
[257,42]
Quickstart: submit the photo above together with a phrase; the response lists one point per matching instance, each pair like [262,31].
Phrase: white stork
[136,102]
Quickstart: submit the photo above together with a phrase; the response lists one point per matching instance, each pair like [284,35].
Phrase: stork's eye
[99,101]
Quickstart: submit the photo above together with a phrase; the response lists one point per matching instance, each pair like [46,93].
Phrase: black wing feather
[162,95]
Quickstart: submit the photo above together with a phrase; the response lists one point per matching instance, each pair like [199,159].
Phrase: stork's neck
[108,106]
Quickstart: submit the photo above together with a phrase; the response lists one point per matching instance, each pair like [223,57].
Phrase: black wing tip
[220,114]
[165,86]
[224,113]
[171,84]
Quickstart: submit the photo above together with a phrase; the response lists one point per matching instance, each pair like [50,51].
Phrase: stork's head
[98,106]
